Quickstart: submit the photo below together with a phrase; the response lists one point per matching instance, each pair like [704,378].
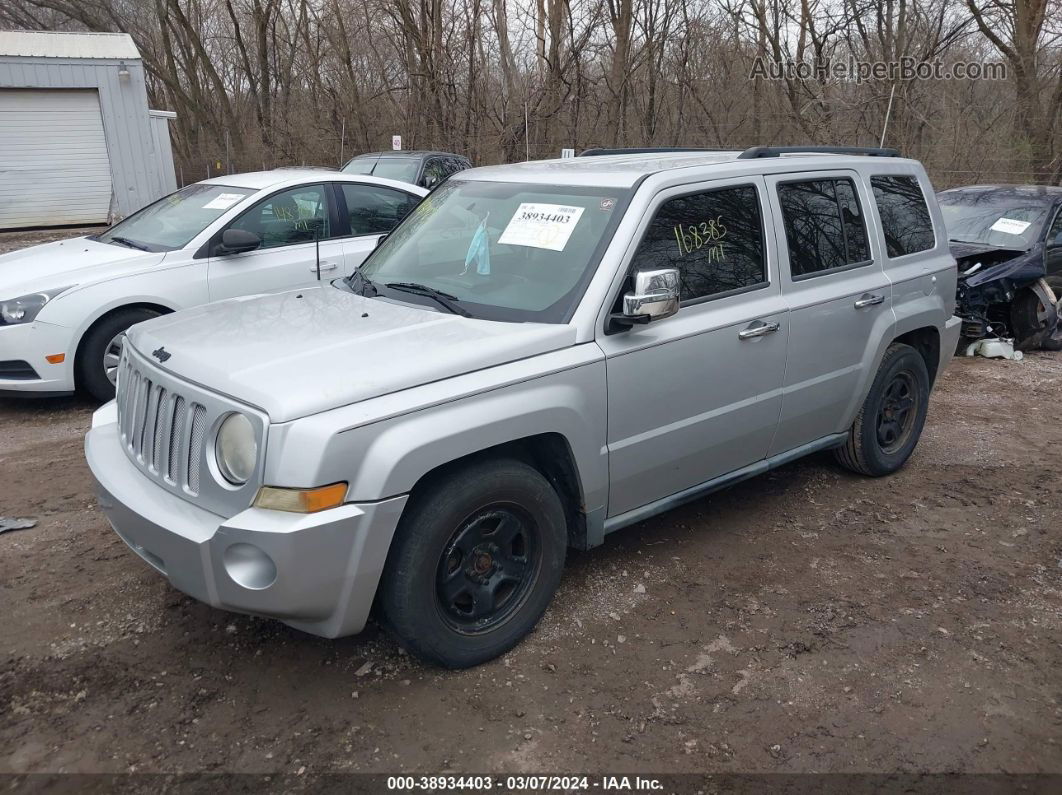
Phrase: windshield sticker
[541,226]
[223,201]
[1010,226]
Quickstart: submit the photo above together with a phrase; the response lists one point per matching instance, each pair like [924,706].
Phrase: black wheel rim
[487,568]
[896,416]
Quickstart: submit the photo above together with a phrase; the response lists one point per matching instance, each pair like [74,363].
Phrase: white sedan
[65,306]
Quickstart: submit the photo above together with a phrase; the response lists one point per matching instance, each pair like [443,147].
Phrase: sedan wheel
[112,354]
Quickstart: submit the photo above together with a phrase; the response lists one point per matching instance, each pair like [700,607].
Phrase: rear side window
[824,227]
[373,209]
[904,215]
[715,239]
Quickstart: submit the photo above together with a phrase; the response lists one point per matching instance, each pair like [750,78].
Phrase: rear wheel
[96,368]
[474,563]
[891,419]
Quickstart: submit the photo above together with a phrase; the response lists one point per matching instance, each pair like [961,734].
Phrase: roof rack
[776,151]
[594,152]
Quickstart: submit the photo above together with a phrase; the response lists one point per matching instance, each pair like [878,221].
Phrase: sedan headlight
[236,449]
[25,308]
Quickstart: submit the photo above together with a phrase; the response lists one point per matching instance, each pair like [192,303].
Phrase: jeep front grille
[165,424]
[162,430]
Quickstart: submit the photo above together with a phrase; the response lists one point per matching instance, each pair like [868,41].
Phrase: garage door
[53,158]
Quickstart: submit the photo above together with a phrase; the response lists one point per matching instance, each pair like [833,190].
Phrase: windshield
[504,251]
[172,221]
[403,169]
[992,221]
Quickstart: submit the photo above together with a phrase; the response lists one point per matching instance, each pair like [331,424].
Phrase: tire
[461,538]
[90,370]
[1033,321]
[883,437]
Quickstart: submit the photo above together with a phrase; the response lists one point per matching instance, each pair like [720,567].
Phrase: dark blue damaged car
[1007,241]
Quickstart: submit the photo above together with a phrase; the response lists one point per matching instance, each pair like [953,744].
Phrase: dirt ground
[807,620]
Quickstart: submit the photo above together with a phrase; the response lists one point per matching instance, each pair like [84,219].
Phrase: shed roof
[53,44]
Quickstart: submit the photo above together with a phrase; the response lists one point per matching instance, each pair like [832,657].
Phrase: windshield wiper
[130,243]
[444,300]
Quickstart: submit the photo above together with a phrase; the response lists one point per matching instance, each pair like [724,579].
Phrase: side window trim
[881,222]
[339,222]
[851,266]
[1056,224]
[340,201]
[763,210]
[704,299]
[834,178]
[207,249]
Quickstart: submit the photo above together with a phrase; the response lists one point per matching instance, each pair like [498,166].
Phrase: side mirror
[1056,242]
[237,241]
[654,297]
[431,180]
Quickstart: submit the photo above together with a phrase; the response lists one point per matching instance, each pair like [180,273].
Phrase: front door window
[296,215]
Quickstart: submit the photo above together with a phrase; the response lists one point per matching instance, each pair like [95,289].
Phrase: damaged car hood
[305,351]
[997,263]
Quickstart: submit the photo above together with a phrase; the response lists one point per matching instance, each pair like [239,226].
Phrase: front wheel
[891,419]
[474,563]
[96,366]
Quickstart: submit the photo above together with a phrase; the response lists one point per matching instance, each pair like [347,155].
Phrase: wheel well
[927,342]
[156,308]
[551,455]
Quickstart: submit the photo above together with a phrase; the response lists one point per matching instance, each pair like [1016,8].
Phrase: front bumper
[315,572]
[31,343]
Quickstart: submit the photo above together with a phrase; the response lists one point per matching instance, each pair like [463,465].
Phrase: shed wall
[135,170]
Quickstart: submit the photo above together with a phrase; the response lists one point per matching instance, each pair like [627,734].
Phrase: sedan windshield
[499,251]
[403,169]
[1001,223]
[172,221]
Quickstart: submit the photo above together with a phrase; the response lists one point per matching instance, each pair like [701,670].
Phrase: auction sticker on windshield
[223,201]
[1011,226]
[541,226]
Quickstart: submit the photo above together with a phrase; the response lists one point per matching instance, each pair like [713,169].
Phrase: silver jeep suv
[540,354]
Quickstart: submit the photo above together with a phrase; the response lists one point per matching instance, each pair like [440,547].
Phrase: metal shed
[78,144]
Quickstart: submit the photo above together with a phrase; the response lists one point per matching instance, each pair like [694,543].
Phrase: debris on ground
[10,523]
[995,349]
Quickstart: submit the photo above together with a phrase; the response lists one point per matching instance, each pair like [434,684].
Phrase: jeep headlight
[25,308]
[236,449]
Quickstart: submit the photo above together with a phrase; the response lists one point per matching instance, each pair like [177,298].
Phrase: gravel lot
[807,620]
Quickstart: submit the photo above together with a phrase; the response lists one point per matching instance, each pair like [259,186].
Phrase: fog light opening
[250,566]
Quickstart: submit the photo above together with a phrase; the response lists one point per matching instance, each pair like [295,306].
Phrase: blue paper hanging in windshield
[479,250]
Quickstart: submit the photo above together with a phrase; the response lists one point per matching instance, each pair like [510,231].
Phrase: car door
[839,298]
[369,211]
[695,396]
[293,224]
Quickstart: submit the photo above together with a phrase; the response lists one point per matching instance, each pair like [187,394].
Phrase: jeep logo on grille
[161,354]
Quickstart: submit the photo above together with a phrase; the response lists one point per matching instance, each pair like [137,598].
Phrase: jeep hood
[300,352]
[79,261]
